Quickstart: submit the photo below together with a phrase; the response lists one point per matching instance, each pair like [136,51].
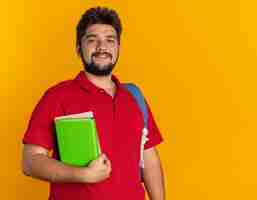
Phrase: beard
[95,69]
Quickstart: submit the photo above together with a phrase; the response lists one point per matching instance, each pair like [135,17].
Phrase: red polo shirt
[119,124]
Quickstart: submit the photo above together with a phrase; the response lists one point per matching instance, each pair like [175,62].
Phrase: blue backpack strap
[137,94]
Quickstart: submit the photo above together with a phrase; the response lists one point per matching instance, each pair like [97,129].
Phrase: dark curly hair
[98,15]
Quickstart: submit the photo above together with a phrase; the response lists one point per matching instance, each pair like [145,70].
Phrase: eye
[90,40]
[111,41]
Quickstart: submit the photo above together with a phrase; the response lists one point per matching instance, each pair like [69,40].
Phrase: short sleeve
[154,135]
[40,130]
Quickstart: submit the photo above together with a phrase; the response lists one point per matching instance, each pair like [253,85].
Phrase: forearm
[153,177]
[42,167]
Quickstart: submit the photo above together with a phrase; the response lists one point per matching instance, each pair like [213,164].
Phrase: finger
[109,169]
[101,158]
[108,165]
[108,162]
[105,158]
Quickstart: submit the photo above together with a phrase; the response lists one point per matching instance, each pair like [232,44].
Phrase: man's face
[100,49]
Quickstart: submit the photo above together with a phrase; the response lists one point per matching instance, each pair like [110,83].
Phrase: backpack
[138,96]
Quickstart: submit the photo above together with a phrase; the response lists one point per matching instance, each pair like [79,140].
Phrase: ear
[79,51]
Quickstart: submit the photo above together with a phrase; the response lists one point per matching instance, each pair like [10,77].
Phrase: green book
[77,139]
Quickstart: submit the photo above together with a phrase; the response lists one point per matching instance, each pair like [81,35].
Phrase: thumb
[102,157]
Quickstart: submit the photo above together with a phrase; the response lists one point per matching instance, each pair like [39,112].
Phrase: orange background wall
[195,61]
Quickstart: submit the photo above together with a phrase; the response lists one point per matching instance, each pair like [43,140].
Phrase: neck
[104,82]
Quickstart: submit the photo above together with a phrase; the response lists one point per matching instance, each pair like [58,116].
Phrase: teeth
[101,56]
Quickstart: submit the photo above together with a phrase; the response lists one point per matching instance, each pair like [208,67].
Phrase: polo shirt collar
[83,81]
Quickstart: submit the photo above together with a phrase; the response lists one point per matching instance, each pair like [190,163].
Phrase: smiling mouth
[102,55]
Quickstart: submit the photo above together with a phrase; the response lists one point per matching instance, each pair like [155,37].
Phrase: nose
[100,46]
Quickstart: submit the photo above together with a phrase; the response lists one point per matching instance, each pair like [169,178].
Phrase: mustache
[102,53]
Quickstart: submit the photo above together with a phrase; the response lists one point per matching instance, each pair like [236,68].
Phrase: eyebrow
[94,35]
[90,35]
[112,36]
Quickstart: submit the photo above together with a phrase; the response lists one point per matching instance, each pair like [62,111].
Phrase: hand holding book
[99,169]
